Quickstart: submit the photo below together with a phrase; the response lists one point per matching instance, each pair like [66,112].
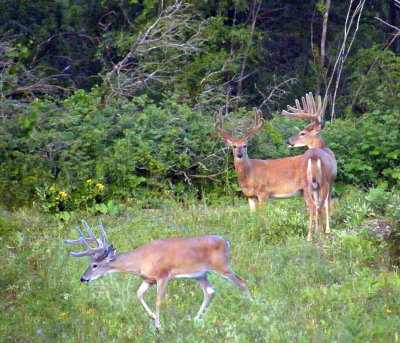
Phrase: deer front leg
[208,291]
[161,285]
[142,289]
[253,204]
[262,199]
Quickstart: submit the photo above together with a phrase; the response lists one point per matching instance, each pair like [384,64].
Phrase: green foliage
[132,147]
[375,81]
[139,149]
[367,148]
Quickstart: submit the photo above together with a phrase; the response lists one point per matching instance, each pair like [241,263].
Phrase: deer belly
[189,276]
[285,195]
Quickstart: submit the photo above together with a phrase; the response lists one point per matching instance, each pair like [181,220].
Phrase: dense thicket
[122,93]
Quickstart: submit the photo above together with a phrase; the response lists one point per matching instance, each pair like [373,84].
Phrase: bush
[132,147]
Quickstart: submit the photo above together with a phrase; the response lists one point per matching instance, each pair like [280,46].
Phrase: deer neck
[317,143]
[126,263]
[243,169]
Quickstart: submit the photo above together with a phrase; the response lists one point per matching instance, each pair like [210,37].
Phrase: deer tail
[314,180]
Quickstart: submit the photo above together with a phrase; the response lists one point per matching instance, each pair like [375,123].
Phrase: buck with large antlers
[310,175]
[319,166]
[262,179]
[160,261]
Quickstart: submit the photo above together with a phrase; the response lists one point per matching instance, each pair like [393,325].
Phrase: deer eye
[94,266]
[234,146]
[302,133]
[245,146]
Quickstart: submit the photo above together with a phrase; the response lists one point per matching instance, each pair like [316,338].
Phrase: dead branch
[350,30]
[174,32]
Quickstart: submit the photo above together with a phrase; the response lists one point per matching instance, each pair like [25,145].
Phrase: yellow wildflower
[100,186]
[138,201]
[51,188]
[64,314]
[388,311]
[130,199]
[90,311]
[89,180]
[63,194]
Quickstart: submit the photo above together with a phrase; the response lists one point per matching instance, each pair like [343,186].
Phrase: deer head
[101,256]
[239,146]
[311,111]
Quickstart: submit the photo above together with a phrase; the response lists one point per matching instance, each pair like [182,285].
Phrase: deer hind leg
[253,204]
[327,208]
[230,275]
[142,289]
[310,224]
[262,199]
[311,213]
[161,285]
[208,291]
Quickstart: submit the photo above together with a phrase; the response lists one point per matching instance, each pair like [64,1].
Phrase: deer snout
[83,280]
[289,144]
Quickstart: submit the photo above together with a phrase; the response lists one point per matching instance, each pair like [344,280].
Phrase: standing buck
[262,179]
[160,261]
[319,167]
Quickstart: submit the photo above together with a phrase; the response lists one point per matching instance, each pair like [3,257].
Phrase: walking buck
[160,261]
[319,166]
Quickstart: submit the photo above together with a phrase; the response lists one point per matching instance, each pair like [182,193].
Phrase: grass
[339,289]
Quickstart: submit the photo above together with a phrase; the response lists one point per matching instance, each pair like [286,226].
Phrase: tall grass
[340,288]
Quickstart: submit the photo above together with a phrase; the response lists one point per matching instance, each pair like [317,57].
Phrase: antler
[310,110]
[259,123]
[101,242]
[218,125]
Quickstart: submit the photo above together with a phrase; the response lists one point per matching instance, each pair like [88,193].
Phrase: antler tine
[101,243]
[218,125]
[90,232]
[103,236]
[92,251]
[81,240]
[322,107]
[309,110]
[259,123]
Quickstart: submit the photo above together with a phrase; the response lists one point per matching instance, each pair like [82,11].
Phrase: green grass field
[341,288]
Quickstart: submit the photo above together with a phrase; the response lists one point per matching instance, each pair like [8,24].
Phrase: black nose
[240,155]
[84,280]
[289,144]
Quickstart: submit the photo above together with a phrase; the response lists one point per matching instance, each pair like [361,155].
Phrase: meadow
[341,288]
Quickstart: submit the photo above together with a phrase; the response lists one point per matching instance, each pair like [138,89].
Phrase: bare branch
[351,24]
[174,32]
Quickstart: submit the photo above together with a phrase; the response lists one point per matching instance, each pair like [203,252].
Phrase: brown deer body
[160,261]
[262,179]
[311,174]
[319,168]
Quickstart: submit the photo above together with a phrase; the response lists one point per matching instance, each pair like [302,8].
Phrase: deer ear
[319,126]
[227,140]
[111,253]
